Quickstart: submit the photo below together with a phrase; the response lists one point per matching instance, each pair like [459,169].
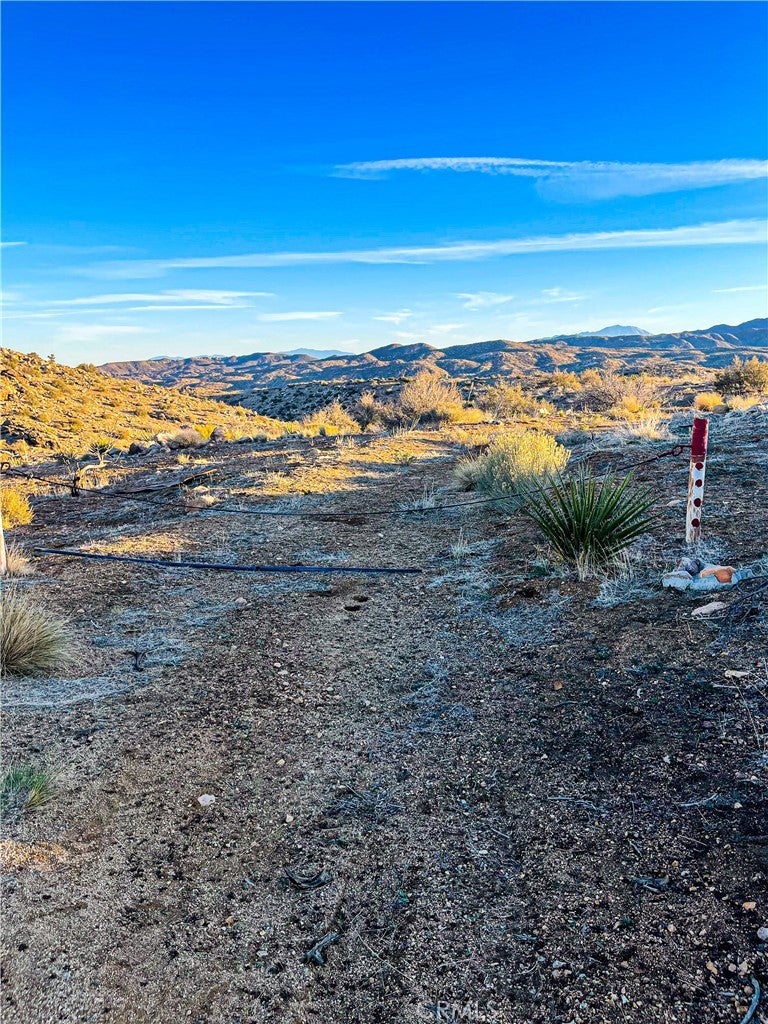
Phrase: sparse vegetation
[744,377]
[588,524]
[31,639]
[187,437]
[369,411]
[651,427]
[567,380]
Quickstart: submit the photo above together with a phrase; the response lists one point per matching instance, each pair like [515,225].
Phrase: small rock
[762,934]
[708,609]
[749,905]
[206,800]
[289,818]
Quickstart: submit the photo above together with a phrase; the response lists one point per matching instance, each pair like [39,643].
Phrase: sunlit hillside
[49,408]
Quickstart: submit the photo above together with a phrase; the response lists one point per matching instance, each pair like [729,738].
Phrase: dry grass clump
[17,563]
[706,401]
[748,377]
[515,459]
[651,427]
[15,507]
[588,524]
[466,473]
[741,403]
[429,398]
[31,639]
[199,498]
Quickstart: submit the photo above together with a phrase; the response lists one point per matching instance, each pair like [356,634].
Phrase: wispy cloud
[742,288]
[9,245]
[577,179]
[733,232]
[483,300]
[395,318]
[274,318]
[445,328]
[185,295]
[561,295]
[97,332]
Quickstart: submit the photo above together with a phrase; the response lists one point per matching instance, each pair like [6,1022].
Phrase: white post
[696,479]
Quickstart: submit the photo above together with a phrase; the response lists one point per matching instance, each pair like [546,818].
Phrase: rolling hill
[234,376]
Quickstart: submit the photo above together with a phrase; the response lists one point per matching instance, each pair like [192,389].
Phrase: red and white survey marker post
[696,479]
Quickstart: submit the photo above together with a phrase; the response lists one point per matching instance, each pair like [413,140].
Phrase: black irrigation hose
[223,567]
[329,515]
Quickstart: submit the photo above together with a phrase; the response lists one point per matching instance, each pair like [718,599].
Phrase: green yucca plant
[588,523]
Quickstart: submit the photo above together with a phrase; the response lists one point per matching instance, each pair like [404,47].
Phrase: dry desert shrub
[187,437]
[330,421]
[429,398]
[625,396]
[31,638]
[651,427]
[15,508]
[567,380]
[369,411]
[502,401]
[741,403]
[749,377]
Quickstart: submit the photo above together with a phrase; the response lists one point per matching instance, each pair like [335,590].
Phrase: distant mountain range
[235,375]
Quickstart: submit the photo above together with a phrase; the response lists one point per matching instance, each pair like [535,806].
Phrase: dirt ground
[495,799]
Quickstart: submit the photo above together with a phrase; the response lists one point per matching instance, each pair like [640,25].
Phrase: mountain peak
[616,331]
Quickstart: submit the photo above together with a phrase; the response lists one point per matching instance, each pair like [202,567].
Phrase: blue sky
[187,178]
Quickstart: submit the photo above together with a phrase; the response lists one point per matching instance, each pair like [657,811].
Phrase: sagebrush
[515,458]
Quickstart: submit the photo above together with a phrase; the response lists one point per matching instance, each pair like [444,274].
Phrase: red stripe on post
[699,439]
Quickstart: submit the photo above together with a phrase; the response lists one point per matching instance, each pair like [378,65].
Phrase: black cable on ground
[224,567]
